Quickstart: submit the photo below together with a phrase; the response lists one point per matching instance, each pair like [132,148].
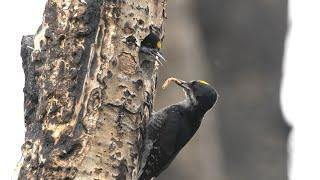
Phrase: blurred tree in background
[238,47]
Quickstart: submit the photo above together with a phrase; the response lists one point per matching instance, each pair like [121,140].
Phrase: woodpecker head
[200,93]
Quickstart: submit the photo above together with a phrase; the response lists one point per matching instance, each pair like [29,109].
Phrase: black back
[180,122]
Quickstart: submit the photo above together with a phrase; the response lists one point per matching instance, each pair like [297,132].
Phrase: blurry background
[238,47]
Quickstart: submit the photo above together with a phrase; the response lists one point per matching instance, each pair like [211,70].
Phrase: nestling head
[152,41]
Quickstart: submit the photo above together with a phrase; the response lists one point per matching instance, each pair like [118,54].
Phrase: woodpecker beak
[183,84]
[179,82]
[186,87]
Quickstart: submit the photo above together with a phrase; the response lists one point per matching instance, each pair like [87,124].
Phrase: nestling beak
[156,54]
[159,54]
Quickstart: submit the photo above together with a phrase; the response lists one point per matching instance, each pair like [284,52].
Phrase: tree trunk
[86,97]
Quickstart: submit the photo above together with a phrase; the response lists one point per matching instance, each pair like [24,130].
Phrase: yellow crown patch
[203,82]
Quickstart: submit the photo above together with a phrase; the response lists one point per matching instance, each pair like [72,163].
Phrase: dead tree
[86,97]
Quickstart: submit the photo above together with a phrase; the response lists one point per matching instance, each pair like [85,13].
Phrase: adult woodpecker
[171,128]
[150,47]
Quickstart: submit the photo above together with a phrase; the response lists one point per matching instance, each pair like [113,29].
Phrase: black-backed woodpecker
[150,47]
[170,128]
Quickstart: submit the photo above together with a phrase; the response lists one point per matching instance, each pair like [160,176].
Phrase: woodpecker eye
[159,44]
[194,83]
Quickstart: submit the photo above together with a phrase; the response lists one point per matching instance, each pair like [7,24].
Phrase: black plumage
[169,129]
[151,41]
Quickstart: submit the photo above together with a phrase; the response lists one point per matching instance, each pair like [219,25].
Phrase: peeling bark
[86,97]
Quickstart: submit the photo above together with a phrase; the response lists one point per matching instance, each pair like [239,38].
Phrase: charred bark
[86,97]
